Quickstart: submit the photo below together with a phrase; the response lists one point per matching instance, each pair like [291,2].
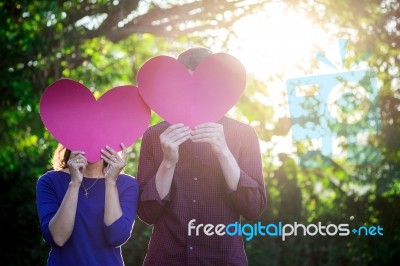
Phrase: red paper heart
[80,122]
[204,96]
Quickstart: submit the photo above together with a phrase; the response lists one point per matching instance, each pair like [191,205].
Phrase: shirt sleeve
[47,206]
[249,199]
[151,206]
[120,231]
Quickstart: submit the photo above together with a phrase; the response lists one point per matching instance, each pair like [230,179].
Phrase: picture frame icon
[344,104]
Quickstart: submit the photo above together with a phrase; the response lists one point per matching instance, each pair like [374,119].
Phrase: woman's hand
[115,162]
[77,163]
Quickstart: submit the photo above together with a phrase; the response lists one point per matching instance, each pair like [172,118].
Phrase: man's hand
[170,140]
[212,133]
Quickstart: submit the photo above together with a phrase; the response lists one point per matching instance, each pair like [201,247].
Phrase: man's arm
[244,179]
[170,140]
[213,134]
[155,181]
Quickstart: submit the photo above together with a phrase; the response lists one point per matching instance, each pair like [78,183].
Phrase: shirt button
[195,178]
[194,201]
[191,248]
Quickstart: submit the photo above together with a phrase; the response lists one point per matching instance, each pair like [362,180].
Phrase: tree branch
[167,22]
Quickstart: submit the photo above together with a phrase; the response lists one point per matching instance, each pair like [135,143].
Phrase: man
[209,175]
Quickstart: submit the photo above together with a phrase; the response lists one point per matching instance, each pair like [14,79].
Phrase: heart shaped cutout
[80,122]
[204,96]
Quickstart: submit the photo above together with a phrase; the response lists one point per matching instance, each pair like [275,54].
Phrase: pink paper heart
[204,96]
[80,122]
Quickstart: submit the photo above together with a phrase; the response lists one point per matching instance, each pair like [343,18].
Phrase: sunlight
[278,43]
[274,40]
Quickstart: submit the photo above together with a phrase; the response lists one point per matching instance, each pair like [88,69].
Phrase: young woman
[86,210]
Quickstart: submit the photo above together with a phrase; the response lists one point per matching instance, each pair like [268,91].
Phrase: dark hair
[192,57]
[61,157]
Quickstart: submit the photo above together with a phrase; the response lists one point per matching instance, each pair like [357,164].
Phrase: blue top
[91,242]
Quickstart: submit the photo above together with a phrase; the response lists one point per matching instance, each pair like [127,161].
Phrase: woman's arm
[112,206]
[62,223]
[120,206]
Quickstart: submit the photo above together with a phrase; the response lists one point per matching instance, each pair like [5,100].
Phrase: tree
[44,40]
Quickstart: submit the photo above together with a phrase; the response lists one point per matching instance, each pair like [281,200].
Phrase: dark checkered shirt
[199,191]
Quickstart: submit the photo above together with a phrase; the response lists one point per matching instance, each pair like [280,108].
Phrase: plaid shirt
[199,191]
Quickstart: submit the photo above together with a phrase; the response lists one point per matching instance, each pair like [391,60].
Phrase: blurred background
[103,44]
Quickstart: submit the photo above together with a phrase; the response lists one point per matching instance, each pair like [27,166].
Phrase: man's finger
[205,125]
[182,140]
[208,140]
[172,127]
[179,136]
[205,130]
[177,131]
[203,135]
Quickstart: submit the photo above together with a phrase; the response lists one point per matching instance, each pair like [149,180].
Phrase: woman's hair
[192,57]
[61,156]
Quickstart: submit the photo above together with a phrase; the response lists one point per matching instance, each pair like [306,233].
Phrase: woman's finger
[80,158]
[106,153]
[76,153]
[110,156]
[112,151]
[108,160]
[124,152]
[77,159]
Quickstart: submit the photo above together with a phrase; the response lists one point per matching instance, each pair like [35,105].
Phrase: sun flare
[277,43]
[274,40]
